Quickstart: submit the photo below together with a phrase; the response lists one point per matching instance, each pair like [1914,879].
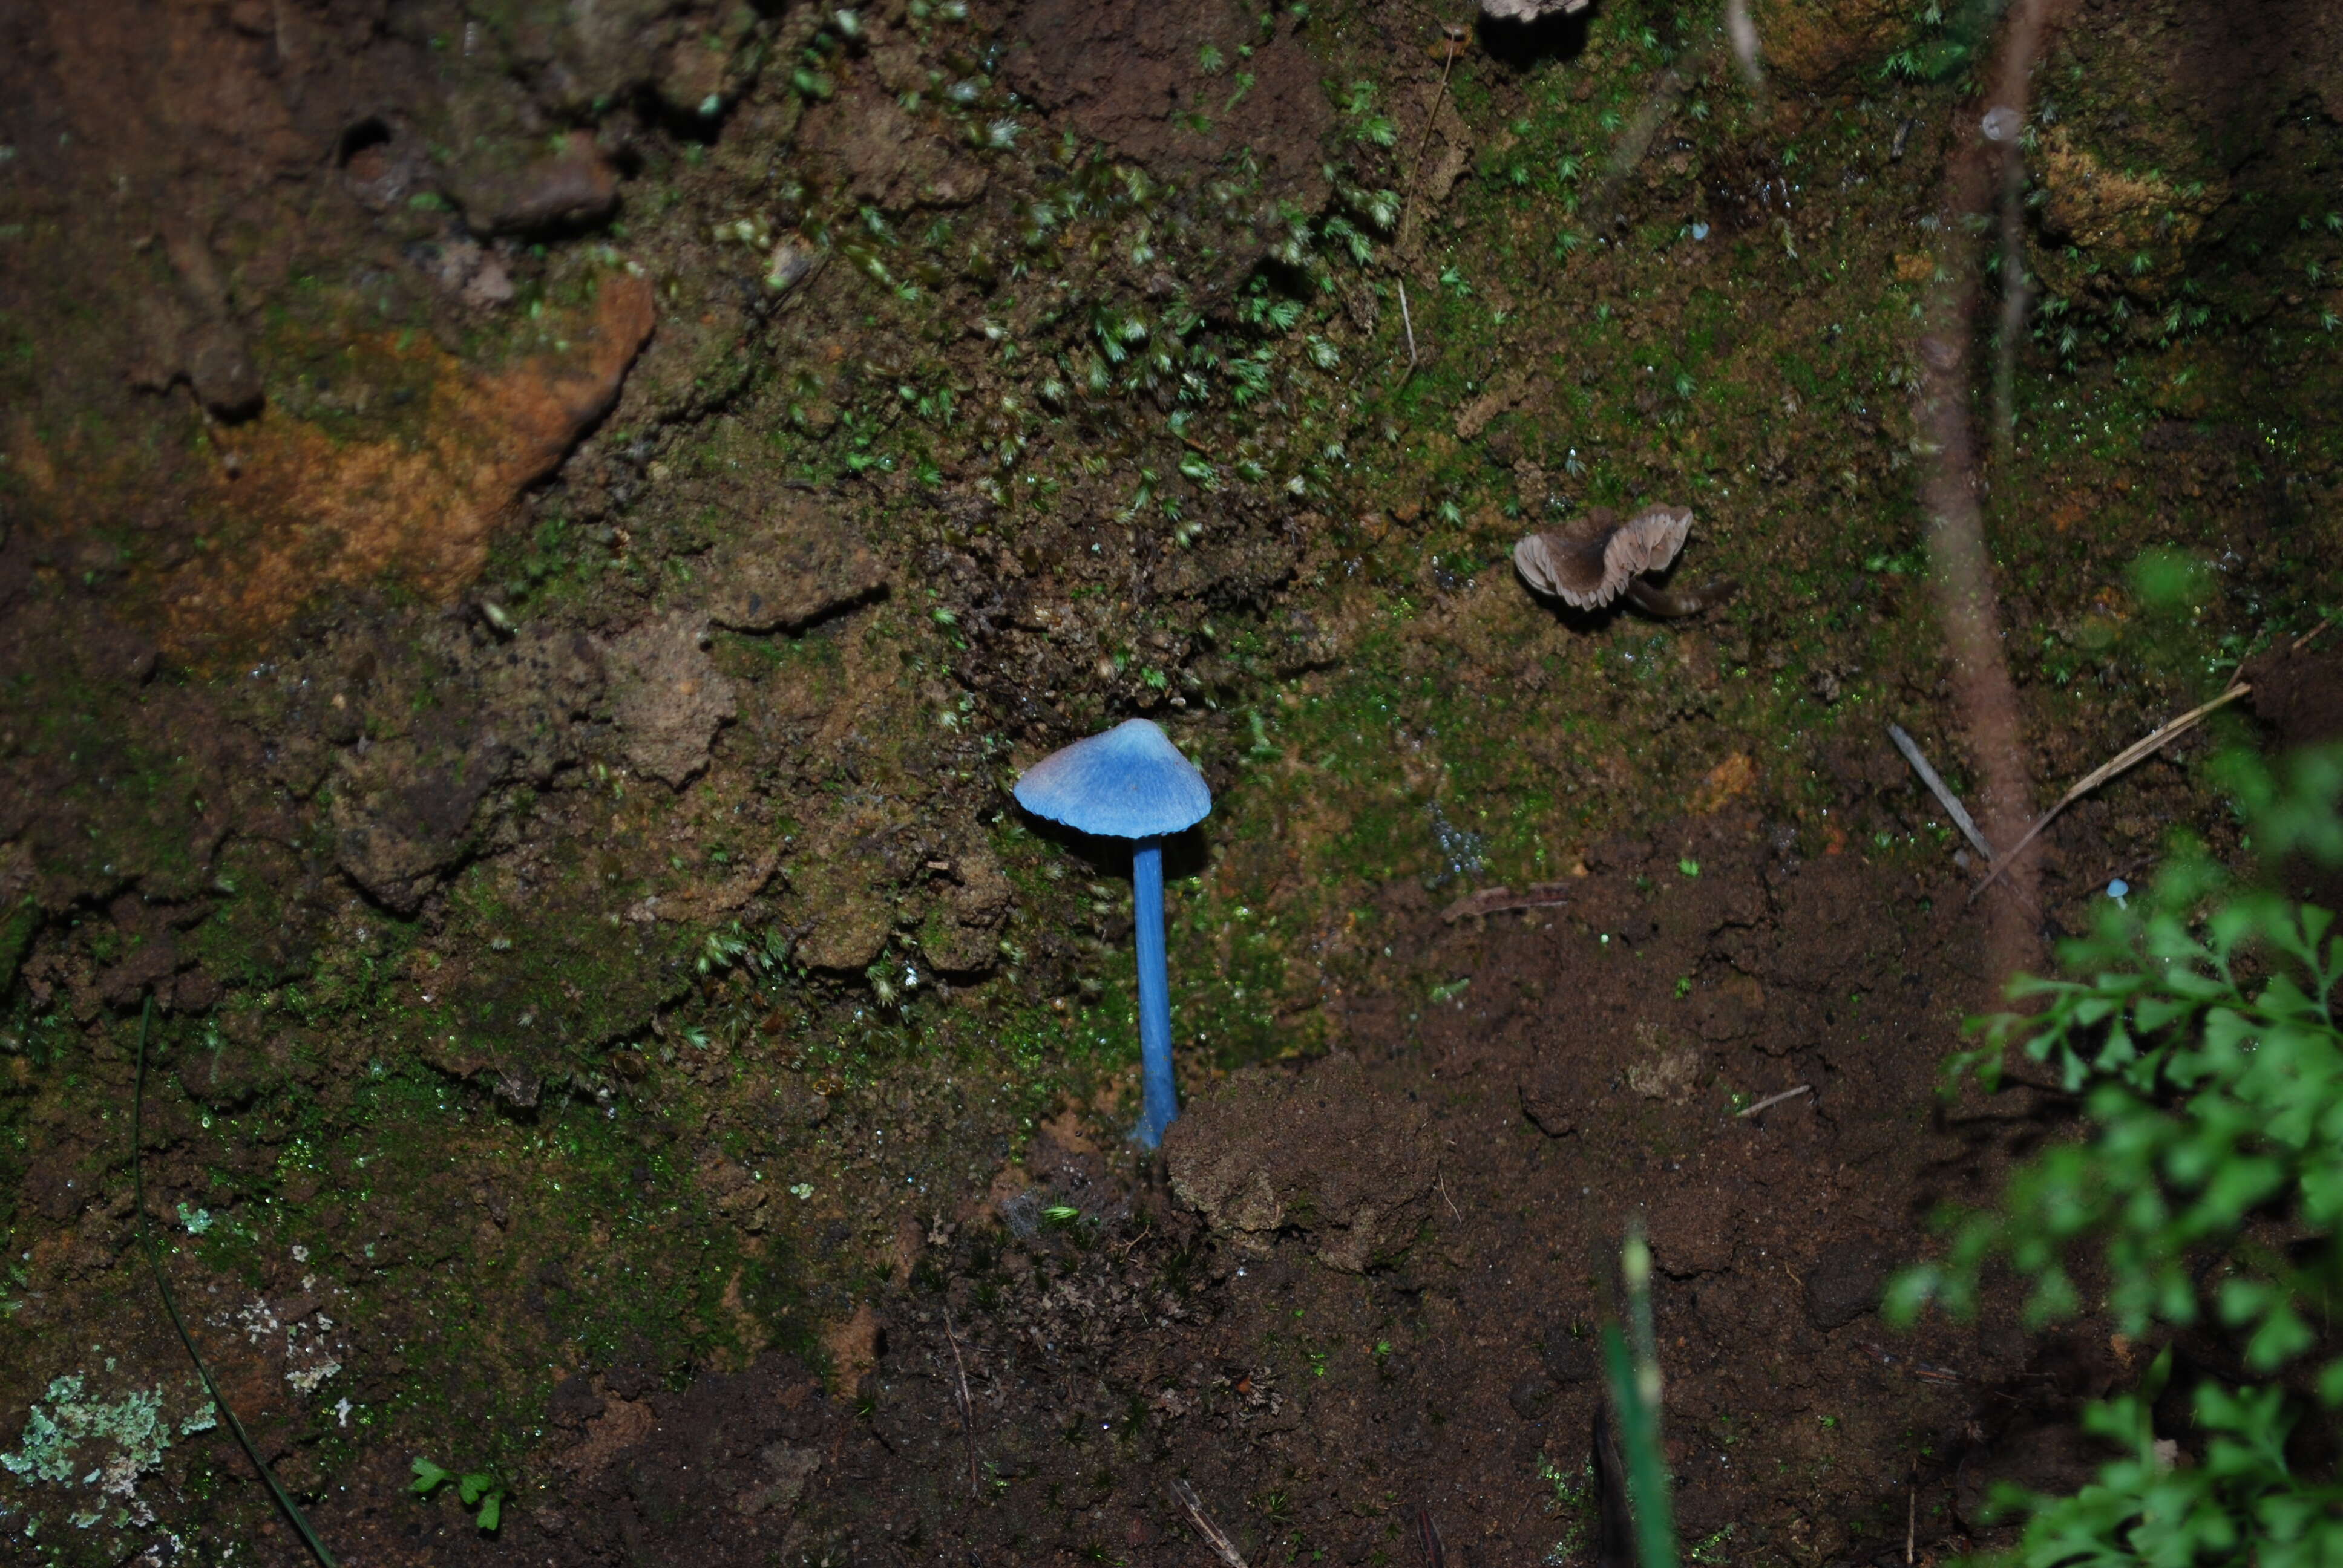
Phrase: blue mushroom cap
[1129,783]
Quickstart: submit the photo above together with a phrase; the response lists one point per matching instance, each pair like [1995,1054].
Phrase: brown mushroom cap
[1591,570]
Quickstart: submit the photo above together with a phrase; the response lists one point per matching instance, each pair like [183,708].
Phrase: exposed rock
[575,186]
[1321,1151]
[1663,1069]
[1531,10]
[889,158]
[1811,43]
[851,923]
[1845,1281]
[327,511]
[220,370]
[962,933]
[799,567]
[2115,218]
[403,806]
[1125,72]
[402,813]
[668,698]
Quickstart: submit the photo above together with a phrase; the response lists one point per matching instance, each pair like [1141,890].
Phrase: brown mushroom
[1609,559]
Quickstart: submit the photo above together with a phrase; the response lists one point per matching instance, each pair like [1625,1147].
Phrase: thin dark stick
[1439,97]
[1407,197]
[967,1405]
[170,1304]
[1427,1538]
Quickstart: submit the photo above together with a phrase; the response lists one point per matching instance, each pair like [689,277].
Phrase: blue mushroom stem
[1161,1101]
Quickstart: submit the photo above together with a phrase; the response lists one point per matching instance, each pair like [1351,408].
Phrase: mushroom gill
[1608,559]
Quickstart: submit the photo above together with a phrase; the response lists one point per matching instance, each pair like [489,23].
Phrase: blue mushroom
[1130,783]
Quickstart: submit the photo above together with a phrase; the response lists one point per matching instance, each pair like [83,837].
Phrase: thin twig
[292,1513]
[1220,1543]
[1504,900]
[1936,787]
[1407,197]
[967,1405]
[1773,1099]
[1911,1513]
[2137,752]
[1439,97]
[1427,1538]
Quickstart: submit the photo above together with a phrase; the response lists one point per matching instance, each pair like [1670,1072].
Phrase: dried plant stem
[1937,787]
[1771,1100]
[2139,751]
[1416,168]
[1224,1548]
[292,1509]
[1984,694]
[967,1405]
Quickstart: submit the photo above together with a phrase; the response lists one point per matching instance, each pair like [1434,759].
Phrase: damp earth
[535,540]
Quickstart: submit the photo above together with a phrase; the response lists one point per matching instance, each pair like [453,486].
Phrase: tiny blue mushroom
[2117,891]
[1130,783]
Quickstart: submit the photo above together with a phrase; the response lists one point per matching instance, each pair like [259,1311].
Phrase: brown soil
[1375,1280]
[449,517]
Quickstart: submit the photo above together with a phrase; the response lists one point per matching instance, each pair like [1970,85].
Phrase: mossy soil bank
[536,541]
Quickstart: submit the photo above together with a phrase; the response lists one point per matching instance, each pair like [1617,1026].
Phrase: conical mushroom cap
[1129,783]
[1591,571]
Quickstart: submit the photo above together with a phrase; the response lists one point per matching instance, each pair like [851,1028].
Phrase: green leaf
[428,1478]
[492,1511]
[474,1487]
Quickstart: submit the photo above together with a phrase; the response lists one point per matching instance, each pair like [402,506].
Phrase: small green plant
[2202,1039]
[1630,1364]
[477,1490]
